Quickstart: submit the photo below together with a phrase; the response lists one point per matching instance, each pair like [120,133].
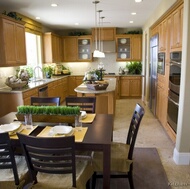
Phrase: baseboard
[181,158]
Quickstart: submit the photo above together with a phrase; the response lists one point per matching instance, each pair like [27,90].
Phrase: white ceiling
[117,13]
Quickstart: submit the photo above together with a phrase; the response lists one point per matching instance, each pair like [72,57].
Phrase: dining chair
[121,153]
[45,100]
[87,104]
[51,162]
[13,168]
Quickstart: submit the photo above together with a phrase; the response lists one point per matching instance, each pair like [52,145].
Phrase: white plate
[10,127]
[62,130]
[123,56]
[84,41]
[83,114]
[123,41]
[85,56]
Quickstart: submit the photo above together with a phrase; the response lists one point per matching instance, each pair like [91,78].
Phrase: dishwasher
[43,91]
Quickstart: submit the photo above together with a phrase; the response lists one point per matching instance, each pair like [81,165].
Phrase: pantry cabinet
[77,48]
[130,86]
[52,48]
[12,39]
[129,47]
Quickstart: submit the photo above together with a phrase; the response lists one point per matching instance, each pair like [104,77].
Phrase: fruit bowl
[17,85]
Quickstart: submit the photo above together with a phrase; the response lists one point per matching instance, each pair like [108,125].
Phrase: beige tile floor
[151,134]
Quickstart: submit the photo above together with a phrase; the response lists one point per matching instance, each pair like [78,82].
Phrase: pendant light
[96,51]
[101,55]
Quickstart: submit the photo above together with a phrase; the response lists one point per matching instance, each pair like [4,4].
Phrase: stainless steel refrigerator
[153,72]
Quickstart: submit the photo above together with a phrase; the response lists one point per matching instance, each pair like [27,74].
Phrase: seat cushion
[7,177]
[119,158]
[84,171]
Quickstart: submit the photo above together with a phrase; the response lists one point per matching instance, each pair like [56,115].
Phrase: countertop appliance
[153,72]
[174,89]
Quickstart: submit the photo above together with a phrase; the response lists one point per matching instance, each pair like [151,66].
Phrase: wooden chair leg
[94,180]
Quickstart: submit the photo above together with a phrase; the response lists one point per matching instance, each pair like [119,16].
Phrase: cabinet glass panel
[84,50]
[123,48]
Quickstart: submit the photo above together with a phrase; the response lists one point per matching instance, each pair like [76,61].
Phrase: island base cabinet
[105,102]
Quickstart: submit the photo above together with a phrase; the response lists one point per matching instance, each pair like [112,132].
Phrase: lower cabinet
[27,94]
[74,81]
[130,86]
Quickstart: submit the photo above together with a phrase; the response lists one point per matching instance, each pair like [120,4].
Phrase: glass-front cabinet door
[123,46]
[84,49]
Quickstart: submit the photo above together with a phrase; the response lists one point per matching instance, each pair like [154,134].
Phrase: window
[34,52]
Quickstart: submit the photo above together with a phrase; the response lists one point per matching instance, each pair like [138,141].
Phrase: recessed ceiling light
[131,22]
[37,18]
[133,13]
[76,24]
[54,5]
[138,1]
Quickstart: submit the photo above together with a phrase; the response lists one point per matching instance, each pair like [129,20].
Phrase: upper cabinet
[77,48]
[177,26]
[129,47]
[52,48]
[105,34]
[12,39]
[162,35]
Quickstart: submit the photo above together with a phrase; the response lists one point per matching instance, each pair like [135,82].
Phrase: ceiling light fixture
[138,1]
[54,5]
[133,13]
[131,22]
[37,18]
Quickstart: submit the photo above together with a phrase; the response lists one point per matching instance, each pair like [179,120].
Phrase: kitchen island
[105,99]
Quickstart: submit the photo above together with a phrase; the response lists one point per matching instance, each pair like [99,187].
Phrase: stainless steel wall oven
[174,89]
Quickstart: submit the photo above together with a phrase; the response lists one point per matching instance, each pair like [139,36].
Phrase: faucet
[34,72]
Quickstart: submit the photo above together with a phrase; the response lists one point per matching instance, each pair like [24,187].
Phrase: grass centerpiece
[51,114]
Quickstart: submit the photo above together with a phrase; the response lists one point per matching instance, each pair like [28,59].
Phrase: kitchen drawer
[33,92]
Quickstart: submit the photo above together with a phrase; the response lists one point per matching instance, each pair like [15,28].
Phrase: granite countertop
[111,87]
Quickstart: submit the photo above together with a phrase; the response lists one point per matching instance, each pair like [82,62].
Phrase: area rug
[148,172]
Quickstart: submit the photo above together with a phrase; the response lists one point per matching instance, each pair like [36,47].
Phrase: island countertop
[111,87]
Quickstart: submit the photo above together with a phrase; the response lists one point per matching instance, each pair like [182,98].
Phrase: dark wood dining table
[97,138]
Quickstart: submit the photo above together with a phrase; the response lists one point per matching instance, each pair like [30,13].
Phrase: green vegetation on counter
[48,110]
[134,67]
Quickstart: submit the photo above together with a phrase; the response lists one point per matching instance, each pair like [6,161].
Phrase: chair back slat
[44,101]
[134,127]
[87,104]
[7,159]
[49,155]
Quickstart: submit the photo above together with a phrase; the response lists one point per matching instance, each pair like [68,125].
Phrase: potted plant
[48,70]
[134,67]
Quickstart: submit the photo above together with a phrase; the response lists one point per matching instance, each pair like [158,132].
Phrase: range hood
[108,46]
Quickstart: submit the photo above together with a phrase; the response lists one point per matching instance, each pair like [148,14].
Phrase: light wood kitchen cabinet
[162,100]
[77,48]
[130,86]
[27,95]
[106,34]
[162,35]
[84,48]
[136,47]
[129,47]
[52,89]
[52,48]
[177,29]
[12,38]
[65,92]
[74,81]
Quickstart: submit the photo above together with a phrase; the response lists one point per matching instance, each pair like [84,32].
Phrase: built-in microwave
[161,63]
